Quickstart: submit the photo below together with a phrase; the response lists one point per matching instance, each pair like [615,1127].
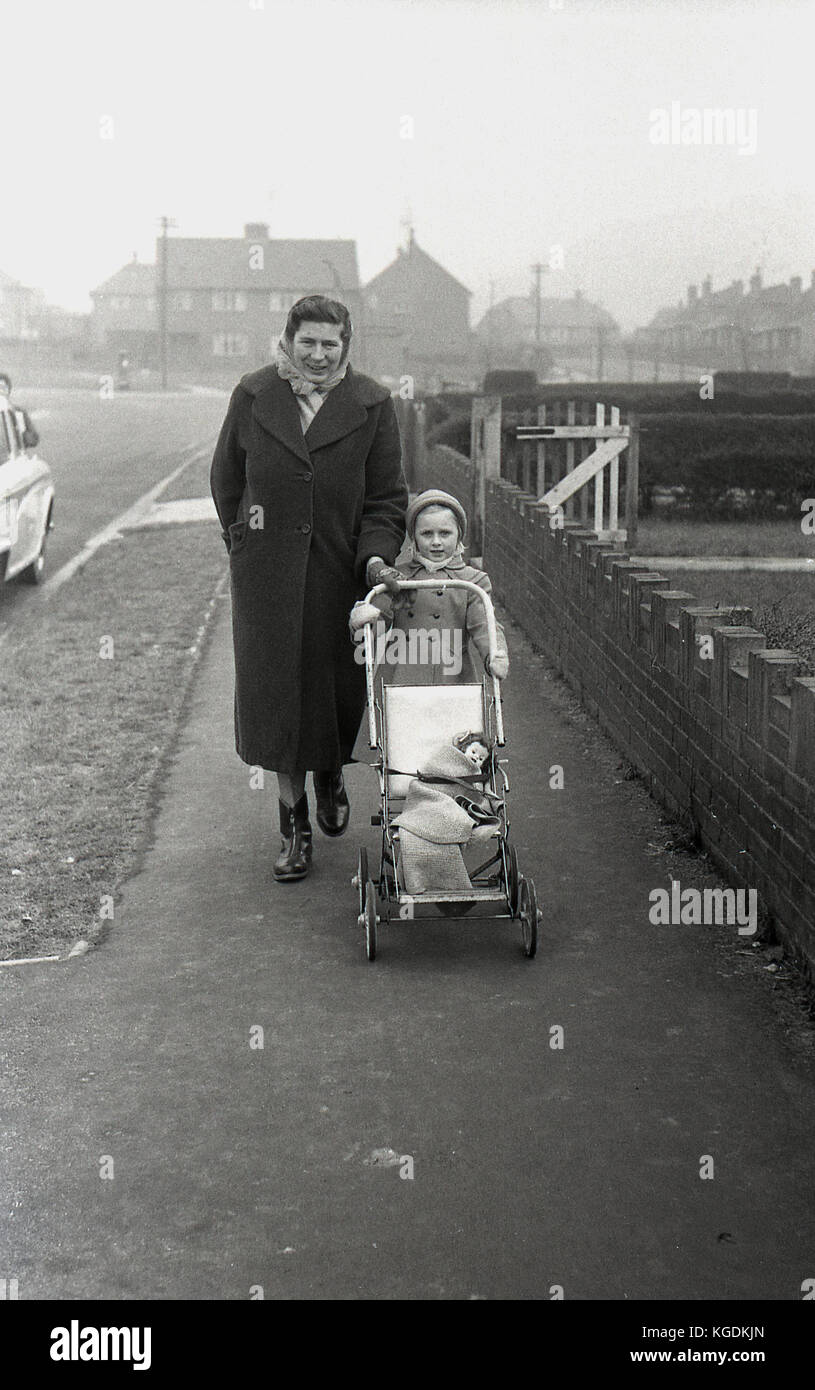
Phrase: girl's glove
[377,572]
[363,613]
[497,666]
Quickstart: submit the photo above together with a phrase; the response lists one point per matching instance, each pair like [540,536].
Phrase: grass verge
[657,536]
[91,691]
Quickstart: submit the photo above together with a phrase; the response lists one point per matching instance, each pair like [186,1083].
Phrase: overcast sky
[532,128]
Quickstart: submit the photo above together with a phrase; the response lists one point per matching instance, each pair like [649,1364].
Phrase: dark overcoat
[301,516]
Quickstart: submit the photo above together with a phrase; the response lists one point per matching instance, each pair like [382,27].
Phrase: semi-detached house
[226,298]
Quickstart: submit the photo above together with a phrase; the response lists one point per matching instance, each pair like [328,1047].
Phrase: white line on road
[179,513]
[28,960]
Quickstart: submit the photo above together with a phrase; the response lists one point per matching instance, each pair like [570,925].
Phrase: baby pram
[406,724]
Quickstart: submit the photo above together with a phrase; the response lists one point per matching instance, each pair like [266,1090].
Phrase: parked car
[26,501]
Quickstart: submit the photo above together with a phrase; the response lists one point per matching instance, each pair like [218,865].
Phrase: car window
[5,450]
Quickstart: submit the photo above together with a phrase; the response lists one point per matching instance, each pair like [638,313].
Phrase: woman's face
[436,533]
[317,349]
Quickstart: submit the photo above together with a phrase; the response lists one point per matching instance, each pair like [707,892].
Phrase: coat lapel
[276,410]
[340,414]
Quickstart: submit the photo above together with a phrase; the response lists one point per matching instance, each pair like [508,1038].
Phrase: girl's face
[317,349]
[436,533]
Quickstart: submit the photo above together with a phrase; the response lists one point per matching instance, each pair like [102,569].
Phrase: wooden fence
[580,461]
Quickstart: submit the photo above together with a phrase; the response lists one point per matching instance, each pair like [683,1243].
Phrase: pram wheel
[528,914]
[512,878]
[360,880]
[371,920]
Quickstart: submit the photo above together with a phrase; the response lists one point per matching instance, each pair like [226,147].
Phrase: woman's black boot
[333,809]
[294,859]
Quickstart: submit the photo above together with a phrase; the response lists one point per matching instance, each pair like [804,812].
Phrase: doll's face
[476,752]
[436,533]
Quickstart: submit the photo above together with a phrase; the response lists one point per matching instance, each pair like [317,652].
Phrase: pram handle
[491,633]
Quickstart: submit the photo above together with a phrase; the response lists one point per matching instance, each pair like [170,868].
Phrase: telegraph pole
[537,271]
[165,223]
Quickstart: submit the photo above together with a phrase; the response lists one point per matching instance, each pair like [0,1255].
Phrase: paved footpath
[533,1167]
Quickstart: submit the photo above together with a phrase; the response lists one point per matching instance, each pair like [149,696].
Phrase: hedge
[715,462]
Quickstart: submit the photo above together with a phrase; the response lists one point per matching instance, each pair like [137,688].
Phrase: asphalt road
[149,1150]
[104,453]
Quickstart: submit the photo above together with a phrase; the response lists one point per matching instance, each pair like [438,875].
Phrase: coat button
[440,593]
[437,615]
[305,528]
[306,477]
[410,613]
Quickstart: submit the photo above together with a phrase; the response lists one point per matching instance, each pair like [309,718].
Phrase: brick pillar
[665,604]
[700,621]
[769,673]
[639,587]
[730,648]
[802,728]
[620,570]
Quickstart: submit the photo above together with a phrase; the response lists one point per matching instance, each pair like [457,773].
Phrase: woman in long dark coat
[308,484]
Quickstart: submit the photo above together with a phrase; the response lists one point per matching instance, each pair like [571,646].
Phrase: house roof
[8,282]
[520,313]
[134,278]
[765,306]
[413,266]
[224,263]
[215,262]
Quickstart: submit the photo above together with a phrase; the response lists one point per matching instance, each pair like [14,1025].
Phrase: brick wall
[721,729]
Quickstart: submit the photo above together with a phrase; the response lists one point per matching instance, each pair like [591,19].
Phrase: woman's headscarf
[310,395]
[302,384]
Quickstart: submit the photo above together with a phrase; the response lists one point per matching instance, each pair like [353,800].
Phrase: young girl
[431,629]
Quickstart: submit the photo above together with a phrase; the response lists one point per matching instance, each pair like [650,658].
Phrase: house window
[229,301]
[230,345]
[182,301]
[150,305]
[277,301]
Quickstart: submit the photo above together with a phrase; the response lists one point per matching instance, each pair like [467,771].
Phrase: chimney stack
[755,282]
[693,293]
[707,286]
[796,284]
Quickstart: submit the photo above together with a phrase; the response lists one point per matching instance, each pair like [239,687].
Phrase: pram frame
[496,880]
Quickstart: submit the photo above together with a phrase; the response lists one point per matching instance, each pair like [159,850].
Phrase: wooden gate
[563,482]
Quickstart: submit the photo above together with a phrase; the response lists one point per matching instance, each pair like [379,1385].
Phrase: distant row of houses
[762,328]
[220,304]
